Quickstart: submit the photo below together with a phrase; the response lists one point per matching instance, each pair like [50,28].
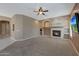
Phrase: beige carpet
[40,46]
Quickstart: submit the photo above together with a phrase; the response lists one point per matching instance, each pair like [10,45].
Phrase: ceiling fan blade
[40,10]
[35,11]
[45,11]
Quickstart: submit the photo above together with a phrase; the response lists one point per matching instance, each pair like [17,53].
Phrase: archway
[47,28]
[4,29]
[46,24]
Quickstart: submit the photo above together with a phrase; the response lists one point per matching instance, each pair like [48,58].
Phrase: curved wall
[4,18]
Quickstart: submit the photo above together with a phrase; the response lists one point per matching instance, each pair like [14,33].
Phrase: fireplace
[56,33]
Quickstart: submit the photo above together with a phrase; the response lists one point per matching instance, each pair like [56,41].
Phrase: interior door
[4,28]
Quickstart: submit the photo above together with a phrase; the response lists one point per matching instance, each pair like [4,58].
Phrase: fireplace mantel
[57,27]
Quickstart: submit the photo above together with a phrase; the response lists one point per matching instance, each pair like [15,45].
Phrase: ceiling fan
[40,11]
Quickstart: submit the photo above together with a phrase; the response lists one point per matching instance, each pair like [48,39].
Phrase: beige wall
[25,27]
[62,21]
[6,42]
[18,24]
[4,18]
[30,27]
[76,7]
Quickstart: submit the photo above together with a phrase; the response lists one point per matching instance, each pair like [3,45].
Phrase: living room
[37,29]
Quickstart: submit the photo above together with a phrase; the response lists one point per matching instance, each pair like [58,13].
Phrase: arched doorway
[4,29]
[47,28]
[46,24]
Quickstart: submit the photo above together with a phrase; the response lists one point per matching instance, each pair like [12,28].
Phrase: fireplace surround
[57,32]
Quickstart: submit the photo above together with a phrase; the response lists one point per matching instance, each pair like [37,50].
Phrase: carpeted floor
[40,46]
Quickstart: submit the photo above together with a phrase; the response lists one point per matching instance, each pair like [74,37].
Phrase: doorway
[47,29]
[4,29]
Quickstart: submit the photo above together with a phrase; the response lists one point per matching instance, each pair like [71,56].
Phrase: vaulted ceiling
[54,9]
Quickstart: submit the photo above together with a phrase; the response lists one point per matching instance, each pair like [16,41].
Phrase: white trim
[74,47]
[61,29]
[11,41]
[5,43]
[13,38]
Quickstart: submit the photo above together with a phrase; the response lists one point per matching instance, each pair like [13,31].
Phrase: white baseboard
[27,38]
[74,48]
[5,43]
[13,38]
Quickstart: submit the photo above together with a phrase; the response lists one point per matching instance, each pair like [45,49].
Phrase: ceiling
[54,9]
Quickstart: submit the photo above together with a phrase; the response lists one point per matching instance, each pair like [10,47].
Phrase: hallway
[40,46]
